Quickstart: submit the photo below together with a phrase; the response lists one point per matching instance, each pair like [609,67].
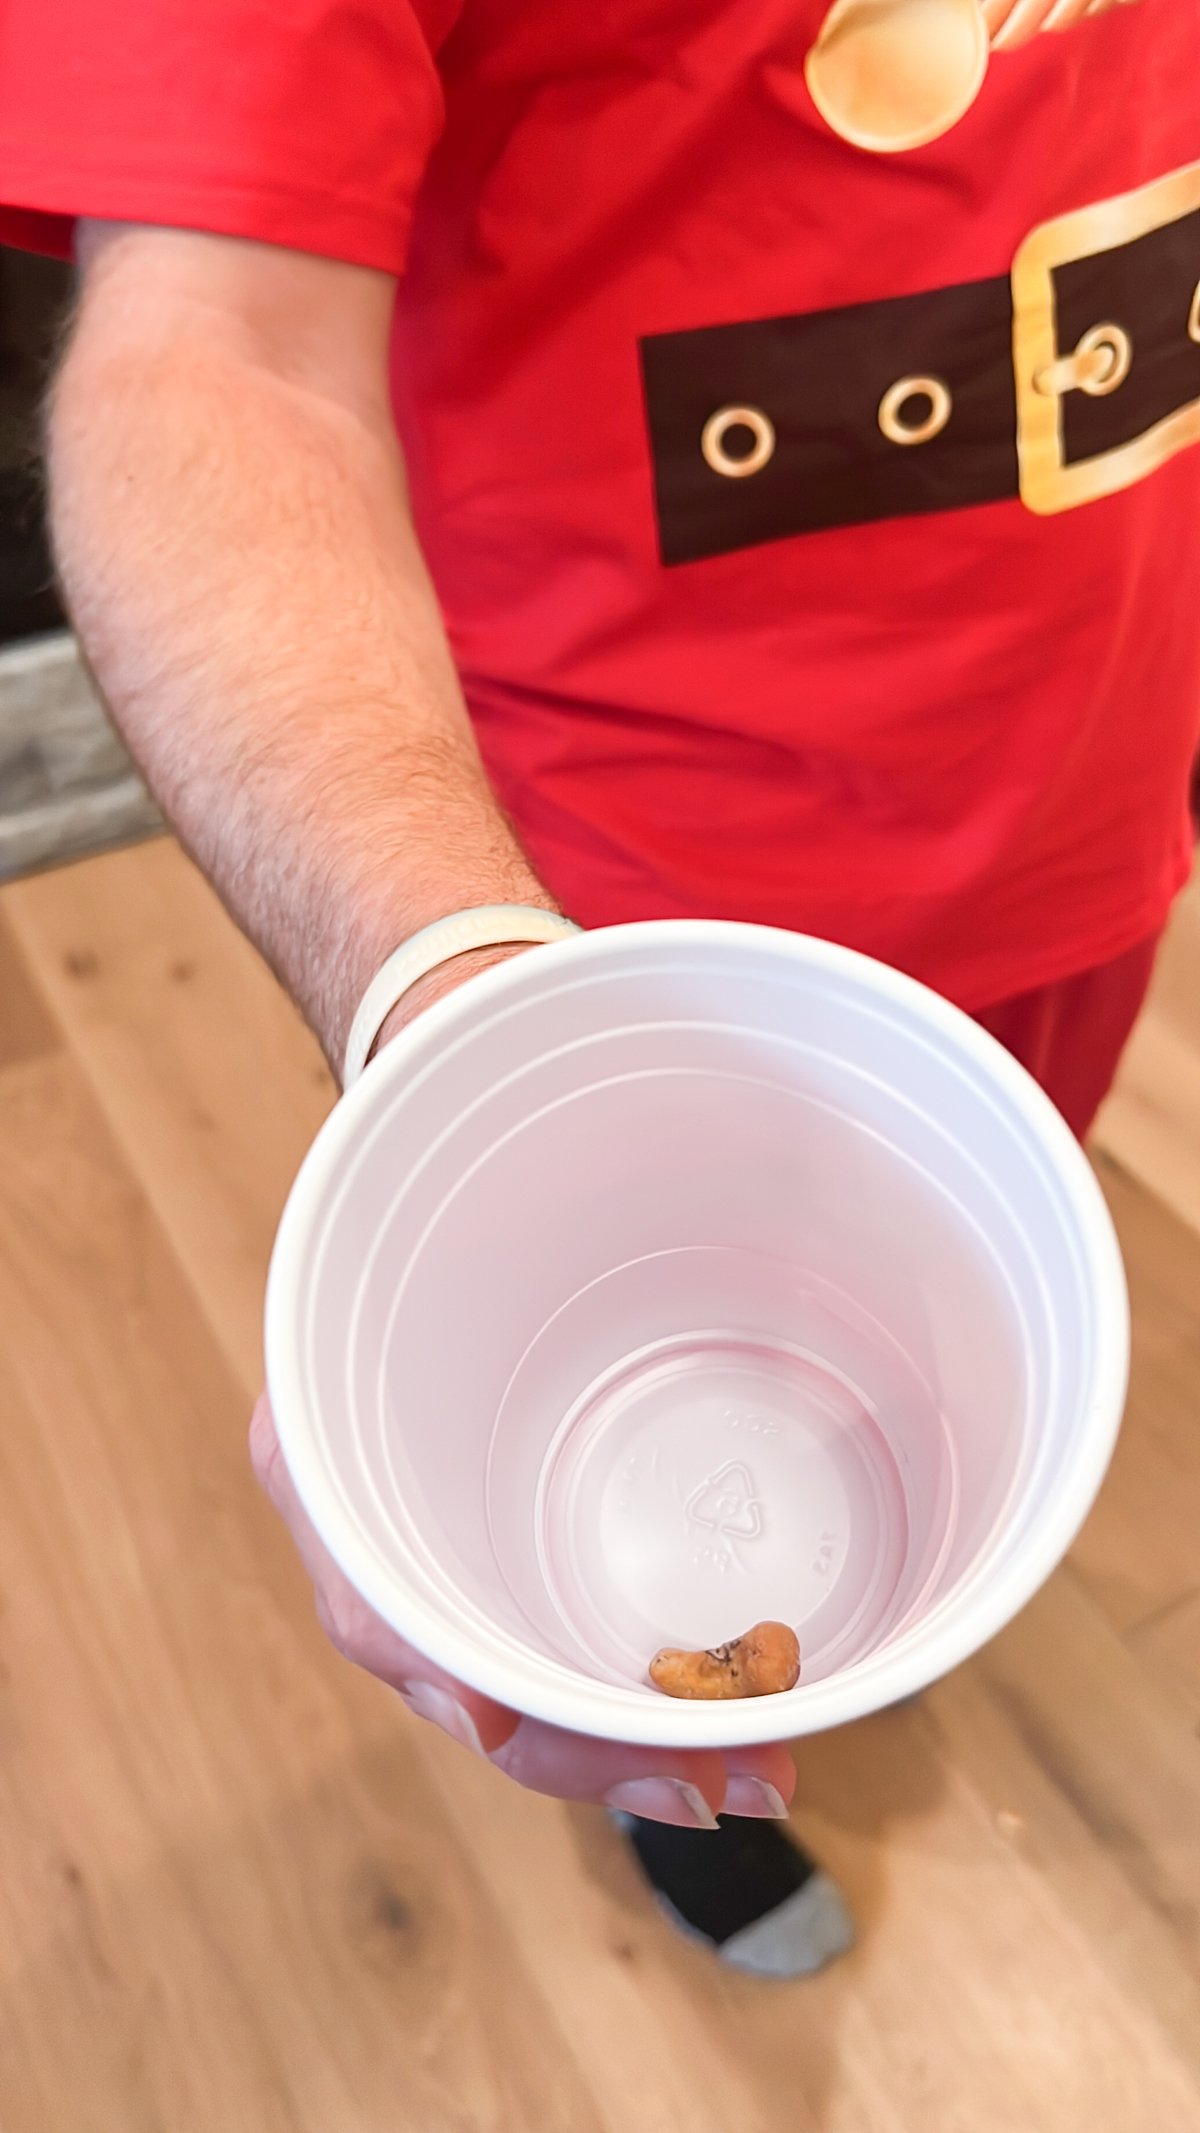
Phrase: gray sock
[745,1891]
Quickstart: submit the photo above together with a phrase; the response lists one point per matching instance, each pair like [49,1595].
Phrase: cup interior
[687,1276]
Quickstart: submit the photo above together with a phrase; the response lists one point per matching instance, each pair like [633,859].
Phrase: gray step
[67,785]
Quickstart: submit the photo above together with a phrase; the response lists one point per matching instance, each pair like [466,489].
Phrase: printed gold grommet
[735,466]
[1193,324]
[1113,345]
[1097,364]
[891,420]
[887,75]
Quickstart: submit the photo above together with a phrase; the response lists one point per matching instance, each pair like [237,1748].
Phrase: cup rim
[541,1688]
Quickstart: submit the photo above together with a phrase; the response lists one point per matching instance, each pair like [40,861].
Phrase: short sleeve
[305,123]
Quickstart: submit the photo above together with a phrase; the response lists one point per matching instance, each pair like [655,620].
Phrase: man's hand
[686,1788]
[683,1786]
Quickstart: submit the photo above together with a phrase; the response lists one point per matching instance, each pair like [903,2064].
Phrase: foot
[748,1893]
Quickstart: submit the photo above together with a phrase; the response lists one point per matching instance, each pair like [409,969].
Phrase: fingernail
[751,1796]
[442,1709]
[663,1799]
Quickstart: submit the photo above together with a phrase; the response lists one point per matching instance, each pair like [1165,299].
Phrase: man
[794,518]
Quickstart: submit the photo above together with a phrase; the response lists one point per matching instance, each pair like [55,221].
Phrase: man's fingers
[276,1483]
[685,1787]
[761,1781]
[664,1785]
[353,1627]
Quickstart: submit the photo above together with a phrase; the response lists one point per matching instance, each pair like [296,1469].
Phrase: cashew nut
[762,1663]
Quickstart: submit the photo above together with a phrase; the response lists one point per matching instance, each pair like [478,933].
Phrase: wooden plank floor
[241,1892]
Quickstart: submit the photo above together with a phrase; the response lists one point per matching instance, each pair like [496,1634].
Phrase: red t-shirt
[751,620]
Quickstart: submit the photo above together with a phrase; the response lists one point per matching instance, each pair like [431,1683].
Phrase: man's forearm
[233,534]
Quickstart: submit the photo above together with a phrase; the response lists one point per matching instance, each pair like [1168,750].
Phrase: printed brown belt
[1073,376]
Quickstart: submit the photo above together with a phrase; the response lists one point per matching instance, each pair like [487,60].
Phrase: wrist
[423,967]
[445,979]
[383,922]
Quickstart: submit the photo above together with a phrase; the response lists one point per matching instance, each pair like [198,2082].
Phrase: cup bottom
[712,1482]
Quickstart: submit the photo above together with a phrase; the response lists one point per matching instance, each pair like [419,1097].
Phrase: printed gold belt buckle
[1106,259]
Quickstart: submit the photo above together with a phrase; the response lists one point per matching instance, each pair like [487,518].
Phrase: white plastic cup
[682,1276]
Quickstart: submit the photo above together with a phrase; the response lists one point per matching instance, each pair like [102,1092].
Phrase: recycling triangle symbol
[726,1503]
